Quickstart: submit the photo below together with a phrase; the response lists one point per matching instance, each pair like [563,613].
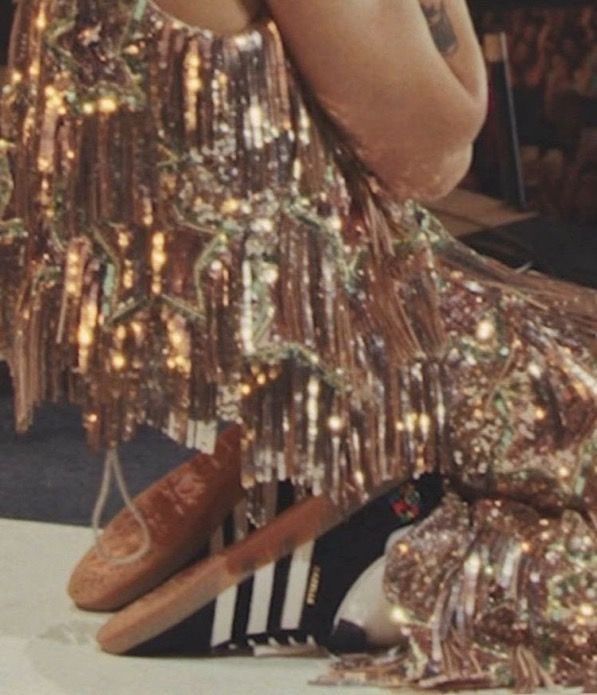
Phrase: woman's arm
[376,69]
[454,36]
[221,17]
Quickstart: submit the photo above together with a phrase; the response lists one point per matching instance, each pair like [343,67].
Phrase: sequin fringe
[186,239]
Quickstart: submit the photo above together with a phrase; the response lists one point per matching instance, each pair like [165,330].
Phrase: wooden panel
[464,212]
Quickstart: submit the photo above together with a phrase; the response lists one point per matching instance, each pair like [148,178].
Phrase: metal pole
[511,177]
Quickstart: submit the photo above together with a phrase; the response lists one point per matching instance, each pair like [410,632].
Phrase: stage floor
[47,646]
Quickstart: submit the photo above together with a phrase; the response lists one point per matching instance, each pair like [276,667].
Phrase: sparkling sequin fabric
[185,238]
[489,595]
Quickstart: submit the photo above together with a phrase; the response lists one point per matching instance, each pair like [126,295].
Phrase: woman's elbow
[451,172]
[453,127]
[428,180]
[425,158]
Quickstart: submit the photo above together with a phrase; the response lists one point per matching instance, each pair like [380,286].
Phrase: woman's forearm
[221,17]
[453,33]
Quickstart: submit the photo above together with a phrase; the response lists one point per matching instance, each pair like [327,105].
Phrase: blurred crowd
[553,60]
[555,49]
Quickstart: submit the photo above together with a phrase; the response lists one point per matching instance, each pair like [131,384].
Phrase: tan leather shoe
[181,510]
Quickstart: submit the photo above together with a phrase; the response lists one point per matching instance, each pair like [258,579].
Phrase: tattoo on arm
[440,25]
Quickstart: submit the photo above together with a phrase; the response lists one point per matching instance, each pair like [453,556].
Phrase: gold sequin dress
[185,238]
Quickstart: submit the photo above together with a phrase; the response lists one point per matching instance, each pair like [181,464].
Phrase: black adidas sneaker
[296,600]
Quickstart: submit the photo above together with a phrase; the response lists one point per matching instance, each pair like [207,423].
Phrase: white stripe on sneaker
[296,588]
[224,617]
[263,585]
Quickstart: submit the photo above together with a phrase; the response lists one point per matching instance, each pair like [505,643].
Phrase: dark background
[6,14]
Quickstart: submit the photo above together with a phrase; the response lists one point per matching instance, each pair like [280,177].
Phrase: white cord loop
[112,466]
